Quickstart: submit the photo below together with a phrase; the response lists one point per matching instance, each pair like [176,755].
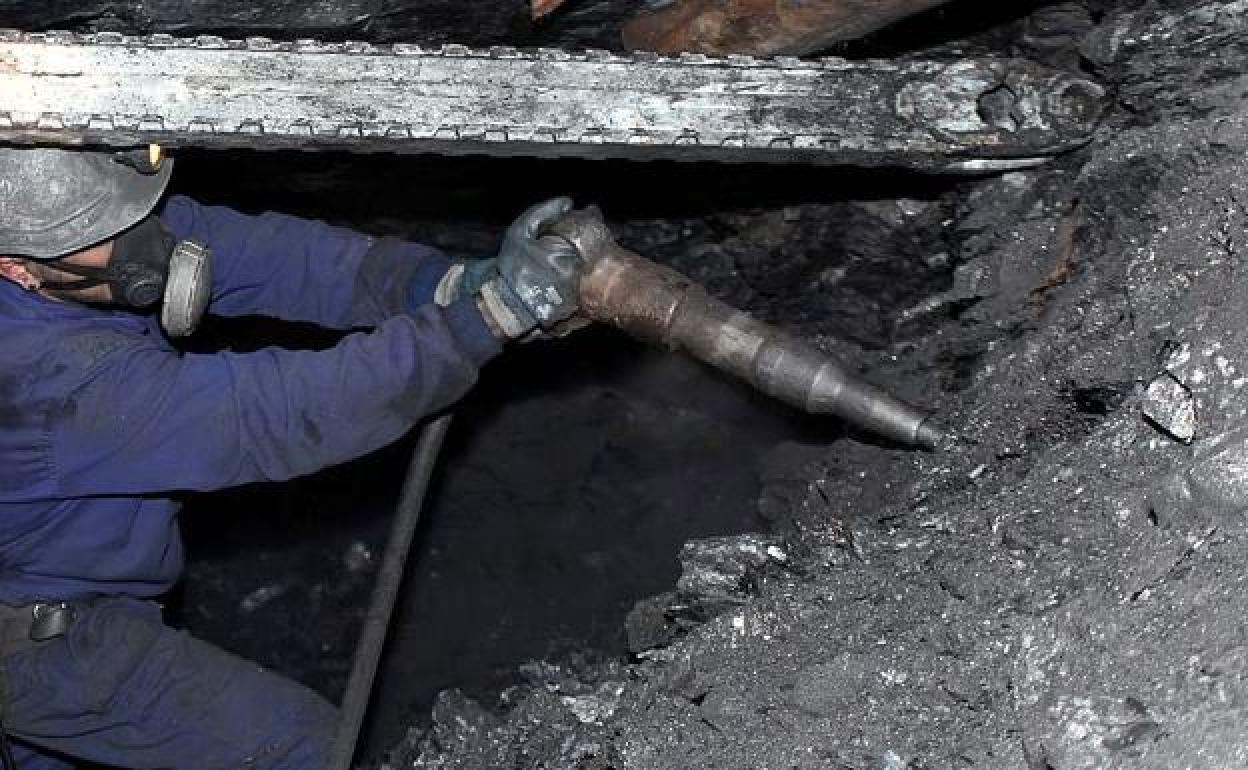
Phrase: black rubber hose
[377,621]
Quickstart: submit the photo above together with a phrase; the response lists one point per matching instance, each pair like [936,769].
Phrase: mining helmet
[55,202]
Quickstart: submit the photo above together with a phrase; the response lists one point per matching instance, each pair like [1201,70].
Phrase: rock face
[1060,590]
[483,22]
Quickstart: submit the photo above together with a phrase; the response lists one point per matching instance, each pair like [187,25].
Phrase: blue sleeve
[147,420]
[301,270]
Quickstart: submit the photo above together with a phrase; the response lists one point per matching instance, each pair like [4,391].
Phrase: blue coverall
[102,422]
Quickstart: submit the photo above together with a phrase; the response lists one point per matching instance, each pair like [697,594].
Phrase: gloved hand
[534,281]
[542,272]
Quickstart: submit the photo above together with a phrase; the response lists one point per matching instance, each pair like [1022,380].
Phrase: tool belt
[29,624]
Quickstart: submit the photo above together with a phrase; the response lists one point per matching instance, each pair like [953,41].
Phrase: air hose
[381,607]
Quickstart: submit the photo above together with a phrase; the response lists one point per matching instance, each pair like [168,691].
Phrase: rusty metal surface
[621,288]
[662,306]
[106,88]
[763,27]
[541,8]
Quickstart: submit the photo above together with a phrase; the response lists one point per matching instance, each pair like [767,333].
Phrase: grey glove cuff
[465,278]
[508,311]
[447,290]
[479,278]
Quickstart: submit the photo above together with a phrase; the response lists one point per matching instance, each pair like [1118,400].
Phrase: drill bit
[657,304]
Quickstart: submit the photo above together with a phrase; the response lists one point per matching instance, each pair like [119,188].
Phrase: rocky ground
[1061,586]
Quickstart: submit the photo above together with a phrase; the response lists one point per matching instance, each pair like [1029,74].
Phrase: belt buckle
[50,620]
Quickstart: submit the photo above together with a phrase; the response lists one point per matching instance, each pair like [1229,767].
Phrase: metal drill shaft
[658,304]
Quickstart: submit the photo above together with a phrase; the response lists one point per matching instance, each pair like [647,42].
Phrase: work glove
[532,287]
[541,272]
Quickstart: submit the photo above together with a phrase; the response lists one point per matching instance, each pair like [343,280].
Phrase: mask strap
[89,277]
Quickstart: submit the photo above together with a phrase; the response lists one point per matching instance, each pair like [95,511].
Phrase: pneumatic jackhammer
[655,303]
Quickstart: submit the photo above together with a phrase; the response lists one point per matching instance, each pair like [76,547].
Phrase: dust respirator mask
[149,265]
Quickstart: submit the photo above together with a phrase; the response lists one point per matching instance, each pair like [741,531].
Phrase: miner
[105,424]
